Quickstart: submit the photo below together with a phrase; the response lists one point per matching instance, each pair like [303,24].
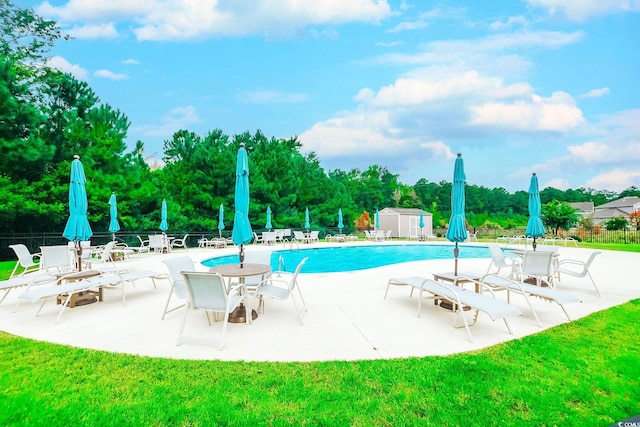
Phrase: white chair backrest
[56,257]
[537,262]
[496,251]
[256,257]
[299,235]
[294,278]
[143,242]
[269,237]
[156,241]
[176,266]
[314,235]
[24,256]
[206,290]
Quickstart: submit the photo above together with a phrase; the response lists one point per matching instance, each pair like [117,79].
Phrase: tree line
[47,117]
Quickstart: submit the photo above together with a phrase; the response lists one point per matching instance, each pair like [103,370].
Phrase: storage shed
[405,222]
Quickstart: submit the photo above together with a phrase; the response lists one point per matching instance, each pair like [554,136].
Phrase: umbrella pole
[534,244]
[241,255]
[456,252]
[78,251]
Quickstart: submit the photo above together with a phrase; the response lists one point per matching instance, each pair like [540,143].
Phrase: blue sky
[545,86]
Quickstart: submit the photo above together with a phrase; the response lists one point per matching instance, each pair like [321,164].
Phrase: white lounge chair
[526,290]
[35,277]
[578,268]
[282,285]
[460,297]
[26,259]
[207,291]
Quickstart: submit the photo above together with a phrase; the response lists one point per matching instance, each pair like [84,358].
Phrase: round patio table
[235,270]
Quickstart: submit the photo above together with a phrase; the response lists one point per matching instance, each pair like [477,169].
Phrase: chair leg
[594,283]
[224,329]
[184,319]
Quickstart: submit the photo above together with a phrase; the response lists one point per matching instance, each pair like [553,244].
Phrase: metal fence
[33,241]
[594,235]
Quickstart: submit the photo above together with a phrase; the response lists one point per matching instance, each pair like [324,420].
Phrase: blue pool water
[352,258]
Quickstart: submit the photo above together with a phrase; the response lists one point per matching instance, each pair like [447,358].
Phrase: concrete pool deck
[347,317]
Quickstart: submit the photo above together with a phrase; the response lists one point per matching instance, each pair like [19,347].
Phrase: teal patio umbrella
[114,226]
[307,224]
[163,216]
[535,228]
[340,223]
[242,232]
[421,223]
[457,231]
[77,228]
[377,219]
[221,220]
[268,226]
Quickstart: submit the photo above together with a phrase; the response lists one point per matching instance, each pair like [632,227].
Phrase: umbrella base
[533,281]
[239,315]
[448,305]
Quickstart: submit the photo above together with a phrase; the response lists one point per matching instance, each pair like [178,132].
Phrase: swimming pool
[352,258]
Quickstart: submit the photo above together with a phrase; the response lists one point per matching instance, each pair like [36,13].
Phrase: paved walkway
[348,319]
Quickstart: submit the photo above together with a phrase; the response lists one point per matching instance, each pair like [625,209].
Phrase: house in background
[584,209]
[621,207]
[405,222]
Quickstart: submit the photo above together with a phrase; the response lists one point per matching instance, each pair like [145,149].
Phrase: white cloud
[583,10]
[511,22]
[389,44]
[97,11]
[271,97]
[181,20]
[557,113]
[408,26]
[106,74]
[176,119]
[615,180]
[61,64]
[131,61]
[97,31]
[595,93]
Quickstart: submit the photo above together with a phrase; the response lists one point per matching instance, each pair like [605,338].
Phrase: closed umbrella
[340,223]
[307,224]
[163,216]
[77,228]
[535,228]
[242,232]
[269,226]
[114,226]
[377,219]
[421,223]
[457,231]
[221,219]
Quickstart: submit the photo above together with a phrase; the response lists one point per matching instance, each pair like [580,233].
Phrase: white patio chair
[500,260]
[26,260]
[178,288]
[157,243]
[578,268]
[256,239]
[281,285]
[207,291]
[180,243]
[537,265]
[56,258]
[144,245]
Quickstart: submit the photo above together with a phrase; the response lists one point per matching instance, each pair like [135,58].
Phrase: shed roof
[404,211]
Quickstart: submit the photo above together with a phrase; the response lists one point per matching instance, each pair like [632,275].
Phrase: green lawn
[584,373]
